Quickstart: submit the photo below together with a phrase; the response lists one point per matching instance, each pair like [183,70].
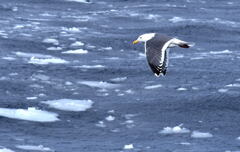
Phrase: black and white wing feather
[157,54]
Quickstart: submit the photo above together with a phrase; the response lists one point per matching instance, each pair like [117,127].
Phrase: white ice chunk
[41,77]
[40,61]
[90,66]
[185,143]
[110,118]
[68,83]
[51,41]
[34,148]
[107,48]
[128,147]
[100,84]
[233,85]
[31,98]
[18,26]
[30,55]
[153,86]
[30,114]
[78,51]
[177,19]
[69,104]
[2,149]
[174,130]
[8,58]
[222,90]
[221,52]
[101,124]
[77,44]
[119,79]
[54,48]
[72,29]
[181,89]
[197,134]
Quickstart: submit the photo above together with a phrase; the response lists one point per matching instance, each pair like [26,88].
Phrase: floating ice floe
[18,26]
[101,124]
[153,86]
[80,1]
[41,77]
[106,48]
[233,85]
[128,147]
[2,149]
[69,104]
[174,130]
[197,134]
[99,84]
[30,55]
[30,114]
[181,89]
[34,148]
[90,66]
[129,91]
[222,90]
[72,29]
[119,79]
[185,143]
[221,52]
[110,118]
[77,44]
[78,51]
[31,98]
[45,61]
[68,83]
[54,48]
[8,58]
[177,19]
[51,41]
[176,56]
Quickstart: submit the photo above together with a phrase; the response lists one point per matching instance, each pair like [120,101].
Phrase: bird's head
[144,38]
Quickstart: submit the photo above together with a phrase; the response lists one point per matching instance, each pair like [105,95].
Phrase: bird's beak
[135,42]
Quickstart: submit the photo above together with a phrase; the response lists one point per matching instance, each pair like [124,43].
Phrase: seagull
[156,49]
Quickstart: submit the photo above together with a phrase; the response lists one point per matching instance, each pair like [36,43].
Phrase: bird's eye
[140,37]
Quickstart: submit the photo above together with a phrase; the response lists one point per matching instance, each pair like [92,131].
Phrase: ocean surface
[71,80]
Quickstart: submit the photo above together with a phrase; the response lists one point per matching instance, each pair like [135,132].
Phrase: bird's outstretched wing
[157,60]
[157,55]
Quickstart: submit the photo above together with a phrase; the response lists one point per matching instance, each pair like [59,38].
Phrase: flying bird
[157,49]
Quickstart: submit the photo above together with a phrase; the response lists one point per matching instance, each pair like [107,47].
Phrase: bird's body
[157,48]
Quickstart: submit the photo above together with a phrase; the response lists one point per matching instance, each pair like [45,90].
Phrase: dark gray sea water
[104,98]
